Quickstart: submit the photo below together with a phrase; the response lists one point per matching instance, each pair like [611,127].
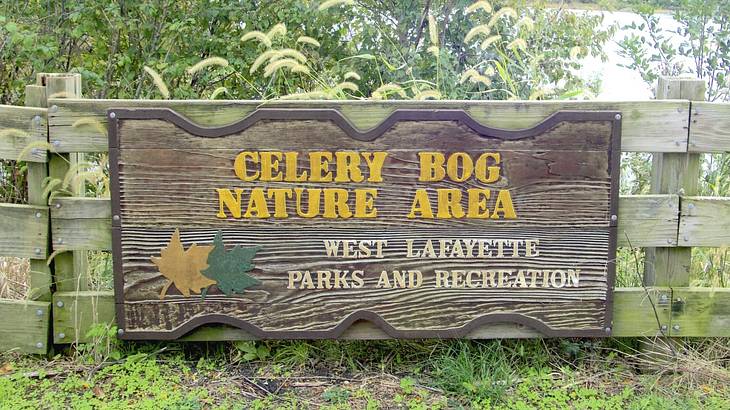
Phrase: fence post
[69,268]
[674,173]
[40,273]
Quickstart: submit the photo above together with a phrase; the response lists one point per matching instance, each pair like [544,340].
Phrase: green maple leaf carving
[229,268]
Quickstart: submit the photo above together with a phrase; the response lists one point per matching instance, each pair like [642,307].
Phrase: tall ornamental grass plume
[208,62]
[332,3]
[158,81]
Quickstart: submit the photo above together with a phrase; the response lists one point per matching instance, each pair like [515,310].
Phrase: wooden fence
[677,128]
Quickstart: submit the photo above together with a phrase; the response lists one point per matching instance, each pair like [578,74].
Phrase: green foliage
[704,29]
[534,51]
[336,395]
[228,268]
[251,351]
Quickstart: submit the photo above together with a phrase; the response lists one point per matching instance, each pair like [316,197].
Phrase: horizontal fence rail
[648,126]
[23,133]
[672,220]
[85,223]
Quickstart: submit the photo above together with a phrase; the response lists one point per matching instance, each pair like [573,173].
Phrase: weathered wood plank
[705,221]
[633,316]
[24,231]
[19,128]
[648,126]
[647,220]
[70,268]
[81,223]
[24,326]
[674,173]
[75,313]
[700,312]
[41,279]
[709,127]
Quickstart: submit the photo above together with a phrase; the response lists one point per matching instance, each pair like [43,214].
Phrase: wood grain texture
[24,231]
[24,326]
[648,126]
[561,178]
[20,127]
[646,220]
[700,312]
[705,221]
[81,223]
[633,316]
[75,313]
[674,173]
[41,279]
[709,127]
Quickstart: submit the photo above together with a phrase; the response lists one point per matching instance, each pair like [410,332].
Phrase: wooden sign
[292,223]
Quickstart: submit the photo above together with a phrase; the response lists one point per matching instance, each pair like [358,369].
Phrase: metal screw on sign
[675,327]
[608,330]
[116,218]
[664,328]
[691,206]
[39,345]
[618,116]
[112,115]
[37,120]
[39,312]
[37,251]
[614,218]
[57,205]
[120,332]
[59,303]
[38,214]
[53,108]
[62,335]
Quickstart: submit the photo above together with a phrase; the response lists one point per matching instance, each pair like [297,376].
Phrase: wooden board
[648,126]
[705,221]
[700,312]
[85,223]
[22,127]
[555,186]
[75,313]
[709,129]
[24,231]
[633,315]
[24,326]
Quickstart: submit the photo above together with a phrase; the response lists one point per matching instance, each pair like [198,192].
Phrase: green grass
[507,374]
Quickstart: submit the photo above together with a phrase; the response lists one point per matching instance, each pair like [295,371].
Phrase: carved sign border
[114,116]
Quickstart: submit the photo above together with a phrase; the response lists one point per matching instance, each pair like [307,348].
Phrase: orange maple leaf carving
[182,267]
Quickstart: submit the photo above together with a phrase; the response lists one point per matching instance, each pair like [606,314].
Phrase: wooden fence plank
[20,127]
[709,129]
[705,221]
[24,326]
[81,223]
[648,220]
[24,231]
[700,312]
[633,315]
[75,313]
[85,223]
[648,126]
